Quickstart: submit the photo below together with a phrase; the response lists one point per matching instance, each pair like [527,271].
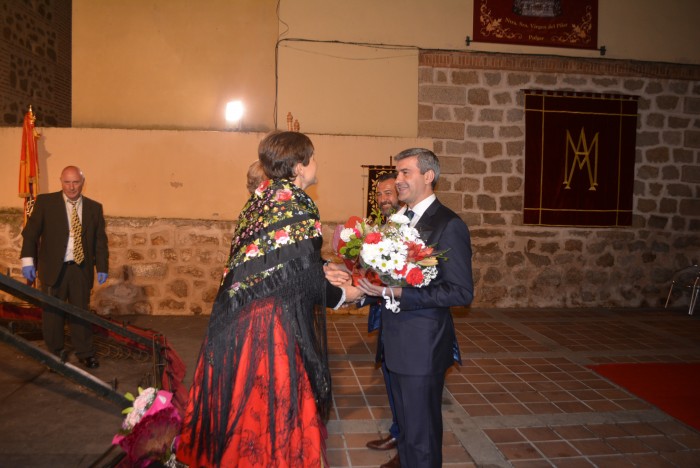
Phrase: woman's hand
[337,274]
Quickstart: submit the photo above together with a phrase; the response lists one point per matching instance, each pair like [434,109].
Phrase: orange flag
[29,164]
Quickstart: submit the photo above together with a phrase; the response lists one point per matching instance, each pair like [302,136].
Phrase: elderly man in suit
[419,340]
[64,242]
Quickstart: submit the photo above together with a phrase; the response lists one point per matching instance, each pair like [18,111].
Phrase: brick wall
[35,62]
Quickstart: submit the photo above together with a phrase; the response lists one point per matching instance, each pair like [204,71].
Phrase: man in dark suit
[66,236]
[419,340]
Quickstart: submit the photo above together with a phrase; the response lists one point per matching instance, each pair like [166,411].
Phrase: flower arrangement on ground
[148,433]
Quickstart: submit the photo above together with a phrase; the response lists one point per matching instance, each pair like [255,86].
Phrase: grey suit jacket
[48,230]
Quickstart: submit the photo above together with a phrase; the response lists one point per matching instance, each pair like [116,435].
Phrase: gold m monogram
[580,155]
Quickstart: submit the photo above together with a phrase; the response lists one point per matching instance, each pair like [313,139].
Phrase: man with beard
[388,203]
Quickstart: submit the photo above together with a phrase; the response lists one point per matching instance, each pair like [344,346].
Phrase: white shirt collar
[420,208]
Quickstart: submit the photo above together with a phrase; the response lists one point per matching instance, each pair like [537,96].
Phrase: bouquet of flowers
[392,254]
[150,428]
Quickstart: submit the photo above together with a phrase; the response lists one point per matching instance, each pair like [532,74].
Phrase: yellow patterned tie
[77,230]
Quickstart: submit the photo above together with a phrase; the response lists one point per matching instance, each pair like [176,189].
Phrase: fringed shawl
[275,256]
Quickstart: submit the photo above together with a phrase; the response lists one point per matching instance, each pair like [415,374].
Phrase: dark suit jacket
[419,339]
[46,237]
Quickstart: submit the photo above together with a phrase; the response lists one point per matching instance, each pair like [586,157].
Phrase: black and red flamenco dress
[299,442]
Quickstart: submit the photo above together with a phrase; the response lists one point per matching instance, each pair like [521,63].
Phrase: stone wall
[157,266]
[35,62]
[471,104]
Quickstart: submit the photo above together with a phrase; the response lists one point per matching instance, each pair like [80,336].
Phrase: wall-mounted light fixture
[234,114]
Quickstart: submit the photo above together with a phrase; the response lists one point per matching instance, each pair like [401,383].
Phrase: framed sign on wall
[551,23]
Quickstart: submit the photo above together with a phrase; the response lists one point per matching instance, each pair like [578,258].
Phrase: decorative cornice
[554,64]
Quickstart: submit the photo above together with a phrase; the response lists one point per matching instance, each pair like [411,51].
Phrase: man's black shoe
[90,362]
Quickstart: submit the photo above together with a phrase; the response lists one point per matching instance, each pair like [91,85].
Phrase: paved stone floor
[523,397]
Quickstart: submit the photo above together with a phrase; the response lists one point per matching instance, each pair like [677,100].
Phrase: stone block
[647,172]
[451,200]
[461,147]
[546,79]
[149,270]
[690,207]
[486,203]
[633,84]
[514,259]
[678,122]
[492,275]
[161,238]
[433,94]
[511,203]
[510,131]
[667,103]
[503,98]
[192,271]
[515,115]
[171,305]
[659,154]
[464,114]
[450,164]
[493,79]
[448,130]
[514,184]
[645,139]
[655,120]
[683,155]
[657,222]
[425,112]
[653,87]
[443,113]
[493,184]
[473,166]
[490,115]
[690,174]
[492,149]
[116,240]
[670,173]
[461,77]
[468,202]
[679,190]
[606,82]
[138,239]
[467,184]
[691,138]
[494,219]
[515,148]
[672,138]
[518,79]
[478,97]
[691,105]
[502,166]
[134,255]
[480,131]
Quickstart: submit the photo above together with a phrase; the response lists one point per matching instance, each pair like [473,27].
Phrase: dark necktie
[410,214]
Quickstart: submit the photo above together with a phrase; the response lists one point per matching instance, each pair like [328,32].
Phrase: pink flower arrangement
[150,428]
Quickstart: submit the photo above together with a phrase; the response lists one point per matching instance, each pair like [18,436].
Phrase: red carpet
[674,388]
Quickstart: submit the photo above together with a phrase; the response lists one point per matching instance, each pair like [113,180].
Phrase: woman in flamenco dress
[261,390]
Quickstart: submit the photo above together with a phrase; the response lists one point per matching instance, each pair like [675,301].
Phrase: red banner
[551,23]
[29,164]
[579,158]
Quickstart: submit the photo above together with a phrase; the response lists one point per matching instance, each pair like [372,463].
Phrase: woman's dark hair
[280,152]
